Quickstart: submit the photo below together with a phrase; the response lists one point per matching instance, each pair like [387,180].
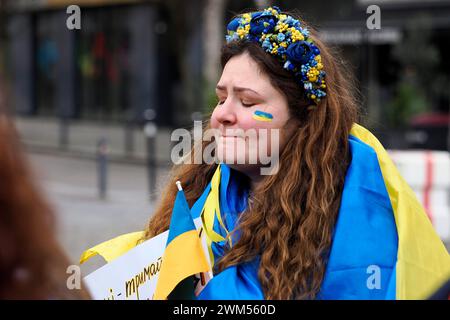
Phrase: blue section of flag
[365,233]
[235,283]
[392,288]
[196,209]
[181,220]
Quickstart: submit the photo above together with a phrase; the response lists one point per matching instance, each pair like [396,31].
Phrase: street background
[83,219]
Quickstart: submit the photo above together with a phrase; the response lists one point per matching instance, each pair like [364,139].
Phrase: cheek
[247,122]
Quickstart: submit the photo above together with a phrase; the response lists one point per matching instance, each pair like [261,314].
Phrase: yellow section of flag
[182,258]
[113,248]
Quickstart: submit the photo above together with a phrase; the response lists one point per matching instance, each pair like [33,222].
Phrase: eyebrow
[236,89]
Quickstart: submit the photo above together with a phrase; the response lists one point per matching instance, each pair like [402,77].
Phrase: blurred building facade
[136,61]
[116,68]
[402,68]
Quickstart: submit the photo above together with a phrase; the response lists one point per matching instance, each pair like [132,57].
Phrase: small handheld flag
[184,255]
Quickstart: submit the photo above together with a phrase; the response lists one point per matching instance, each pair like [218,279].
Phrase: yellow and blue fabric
[380,223]
[221,197]
[184,255]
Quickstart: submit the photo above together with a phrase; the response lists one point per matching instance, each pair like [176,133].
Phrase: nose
[225,114]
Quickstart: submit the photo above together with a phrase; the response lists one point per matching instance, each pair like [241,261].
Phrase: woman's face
[251,119]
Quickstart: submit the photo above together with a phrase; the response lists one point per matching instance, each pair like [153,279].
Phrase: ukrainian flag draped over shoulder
[384,247]
[423,263]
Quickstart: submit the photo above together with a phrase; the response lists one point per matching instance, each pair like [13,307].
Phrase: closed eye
[220,99]
[247,104]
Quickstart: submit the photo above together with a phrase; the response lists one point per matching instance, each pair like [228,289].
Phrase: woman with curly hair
[335,220]
[331,218]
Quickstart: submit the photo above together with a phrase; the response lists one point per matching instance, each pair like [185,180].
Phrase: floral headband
[284,37]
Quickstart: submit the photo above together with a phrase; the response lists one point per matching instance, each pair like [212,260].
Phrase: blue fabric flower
[315,50]
[234,24]
[263,23]
[299,52]
[281,50]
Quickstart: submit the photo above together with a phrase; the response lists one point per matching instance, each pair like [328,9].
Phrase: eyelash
[248,105]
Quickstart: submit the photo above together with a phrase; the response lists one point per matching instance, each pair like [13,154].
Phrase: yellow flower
[283,44]
[275,48]
[312,74]
[241,32]
[247,17]
[313,96]
[282,17]
[281,27]
[274,12]
[296,35]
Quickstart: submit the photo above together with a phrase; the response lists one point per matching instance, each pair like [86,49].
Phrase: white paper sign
[133,275]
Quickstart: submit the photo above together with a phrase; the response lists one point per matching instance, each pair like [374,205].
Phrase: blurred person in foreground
[32,263]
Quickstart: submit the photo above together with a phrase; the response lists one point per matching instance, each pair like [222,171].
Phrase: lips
[231,135]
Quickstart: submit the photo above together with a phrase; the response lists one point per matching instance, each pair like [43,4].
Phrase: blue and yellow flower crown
[284,37]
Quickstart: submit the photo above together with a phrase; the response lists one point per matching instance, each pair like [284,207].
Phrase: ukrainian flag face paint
[262,116]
